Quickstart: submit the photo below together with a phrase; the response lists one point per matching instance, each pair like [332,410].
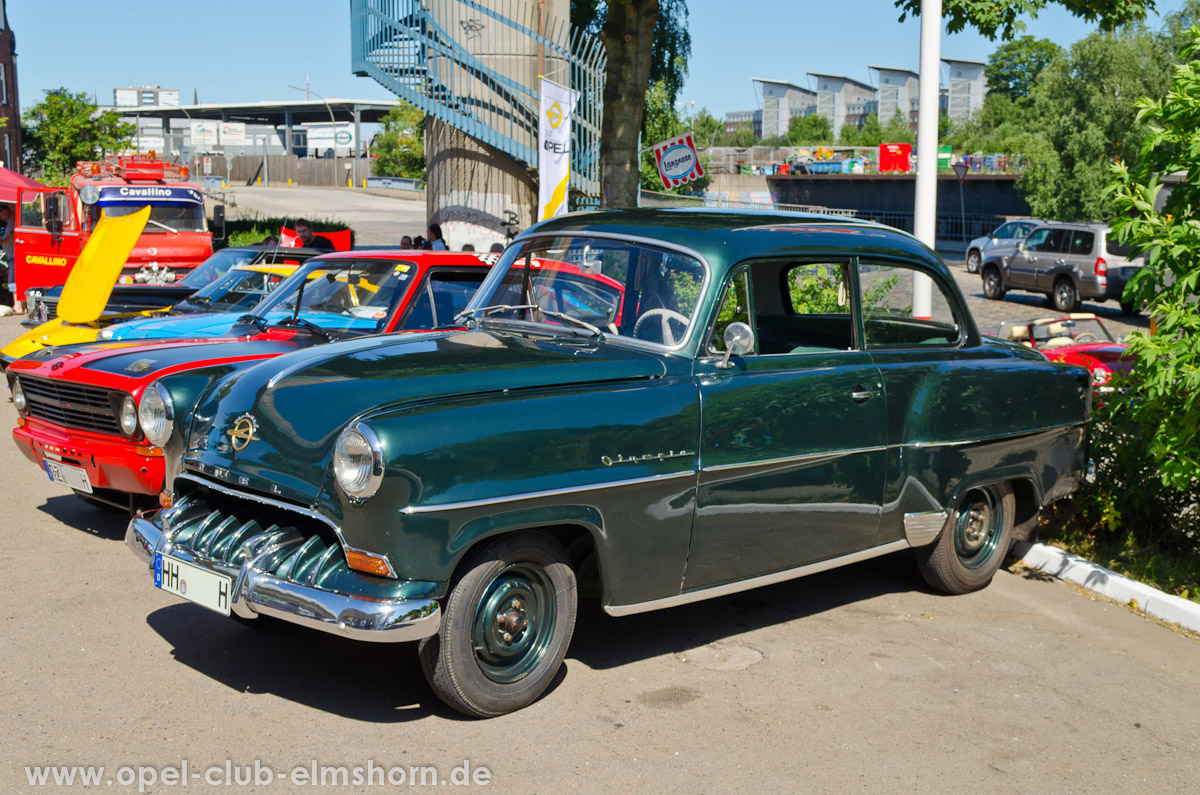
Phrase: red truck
[53,224]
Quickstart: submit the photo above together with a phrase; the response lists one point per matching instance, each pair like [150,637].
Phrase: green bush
[250,231]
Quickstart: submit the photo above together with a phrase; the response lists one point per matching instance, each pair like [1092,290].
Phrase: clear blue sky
[252,50]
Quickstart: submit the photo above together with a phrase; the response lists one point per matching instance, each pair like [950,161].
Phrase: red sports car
[77,405]
[1079,338]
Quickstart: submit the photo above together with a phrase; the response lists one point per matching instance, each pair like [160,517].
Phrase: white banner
[554,147]
[204,134]
[233,133]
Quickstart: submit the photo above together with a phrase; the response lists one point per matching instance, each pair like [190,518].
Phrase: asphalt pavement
[859,679]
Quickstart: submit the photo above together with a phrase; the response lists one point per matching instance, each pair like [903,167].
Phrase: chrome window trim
[754,582]
[495,277]
[533,495]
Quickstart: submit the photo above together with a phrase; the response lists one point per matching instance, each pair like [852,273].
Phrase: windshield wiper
[304,323]
[251,320]
[483,311]
[164,226]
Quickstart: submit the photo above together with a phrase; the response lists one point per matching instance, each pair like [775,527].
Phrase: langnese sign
[678,162]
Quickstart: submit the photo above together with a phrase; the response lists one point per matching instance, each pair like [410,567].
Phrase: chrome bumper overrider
[257,593]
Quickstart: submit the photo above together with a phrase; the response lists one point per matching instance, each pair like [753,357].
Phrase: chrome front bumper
[257,593]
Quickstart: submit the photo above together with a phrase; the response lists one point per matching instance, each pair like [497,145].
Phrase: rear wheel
[973,261]
[1065,296]
[993,285]
[973,543]
[1128,308]
[505,628]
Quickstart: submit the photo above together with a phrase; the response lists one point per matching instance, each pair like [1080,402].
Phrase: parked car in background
[76,405]
[1079,338]
[1005,235]
[1065,261]
[646,407]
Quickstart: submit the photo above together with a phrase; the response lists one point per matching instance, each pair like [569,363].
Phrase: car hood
[300,402]
[1113,355]
[200,324]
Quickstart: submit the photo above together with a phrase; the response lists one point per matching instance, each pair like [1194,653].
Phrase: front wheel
[993,285]
[973,261]
[505,628]
[1065,296]
[973,543]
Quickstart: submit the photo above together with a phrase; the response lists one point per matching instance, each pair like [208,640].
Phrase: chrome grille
[70,405]
[229,531]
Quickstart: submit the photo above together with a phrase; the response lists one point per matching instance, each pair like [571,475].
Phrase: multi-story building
[10,105]
[742,119]
[898,92]
[839,96]
[967,87]
[138,96]
[781,101]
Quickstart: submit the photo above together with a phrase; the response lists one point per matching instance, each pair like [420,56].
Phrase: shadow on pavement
[602,641]
[108,523]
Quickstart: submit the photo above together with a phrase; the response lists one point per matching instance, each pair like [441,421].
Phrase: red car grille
[70,405]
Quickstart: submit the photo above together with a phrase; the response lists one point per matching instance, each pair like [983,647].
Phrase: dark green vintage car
[648,408]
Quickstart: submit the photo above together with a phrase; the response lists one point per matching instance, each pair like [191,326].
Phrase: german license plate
[197,585]
[74,477]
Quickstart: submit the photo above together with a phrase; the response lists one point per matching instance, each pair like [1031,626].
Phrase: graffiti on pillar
[510,224]
[473,28]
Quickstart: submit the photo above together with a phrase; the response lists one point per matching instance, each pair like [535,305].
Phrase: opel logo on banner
[242,432]
[554,115]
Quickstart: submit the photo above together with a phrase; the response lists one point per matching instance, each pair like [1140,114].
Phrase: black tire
[973,260]
[973,543]
[1065,297]
[993,283]
[505,626]
[1128,308]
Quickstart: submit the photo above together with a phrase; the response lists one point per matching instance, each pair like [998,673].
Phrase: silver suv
[1065,261]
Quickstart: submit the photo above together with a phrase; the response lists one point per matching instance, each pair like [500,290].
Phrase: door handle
[862,393]
[19,240]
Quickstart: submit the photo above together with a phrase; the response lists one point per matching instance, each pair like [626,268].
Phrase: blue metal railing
[476,67]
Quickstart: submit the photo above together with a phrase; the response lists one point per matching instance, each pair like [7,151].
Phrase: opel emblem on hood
[242,432]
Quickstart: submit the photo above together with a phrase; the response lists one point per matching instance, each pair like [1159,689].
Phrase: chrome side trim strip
[995,437]
[755,582]
[287,506]
[924,527]
[797,459]
[533,495]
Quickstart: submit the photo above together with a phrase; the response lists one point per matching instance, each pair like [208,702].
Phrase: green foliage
[1083,110]
[1165,400]
[898,130]
[252,229]
[672,41]
[1001,125]
[1014,67]
[708,129]
[871,133]
[65,128]
[400,145]
[1003,19]
[662,122]
[813,129]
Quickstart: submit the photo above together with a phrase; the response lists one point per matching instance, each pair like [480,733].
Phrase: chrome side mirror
[739,340]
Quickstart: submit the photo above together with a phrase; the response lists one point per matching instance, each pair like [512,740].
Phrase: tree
[400,145]
[1083,108]
[65,128]
[1003,19]
[1001,125]
[871,134]
[662,122]
[707,129]
[1165,394]
[812,129]
[898,130]
[647,43]
[1014,67]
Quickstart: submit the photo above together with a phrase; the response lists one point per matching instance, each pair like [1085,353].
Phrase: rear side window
[1054,240]
[1082,242]
[1116,249]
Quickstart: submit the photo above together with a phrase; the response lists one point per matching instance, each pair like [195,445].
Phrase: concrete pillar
[473,191]
[287,132]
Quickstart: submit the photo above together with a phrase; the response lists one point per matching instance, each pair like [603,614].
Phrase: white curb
[1073,568]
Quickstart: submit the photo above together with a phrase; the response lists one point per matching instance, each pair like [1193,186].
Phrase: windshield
[344,295]
[217,265]
[618,288]
[1048,334]
[235,291]
[178,216]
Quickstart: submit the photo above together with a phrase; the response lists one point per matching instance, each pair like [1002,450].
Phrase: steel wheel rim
[977,528]
[514,622]
[1064,296]
[973,261]
[991,281]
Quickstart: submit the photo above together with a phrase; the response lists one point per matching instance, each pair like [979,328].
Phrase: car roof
[726,237]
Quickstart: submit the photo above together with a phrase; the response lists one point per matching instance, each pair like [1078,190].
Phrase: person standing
[304,231]
[436,243]
[7,233]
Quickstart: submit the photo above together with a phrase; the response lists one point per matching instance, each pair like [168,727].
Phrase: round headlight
[18,396]
[358,462]
[156,414]
[129,417]
[1099,376]
[89,194]
[105,334]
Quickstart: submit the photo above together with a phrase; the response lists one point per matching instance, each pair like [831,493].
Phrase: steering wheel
[665,318]
[1086,336]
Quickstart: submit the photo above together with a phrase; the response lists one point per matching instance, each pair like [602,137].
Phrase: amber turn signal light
[371,564]
[165,499]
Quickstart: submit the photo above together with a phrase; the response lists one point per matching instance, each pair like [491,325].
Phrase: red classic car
[77,405]
[1080,338]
